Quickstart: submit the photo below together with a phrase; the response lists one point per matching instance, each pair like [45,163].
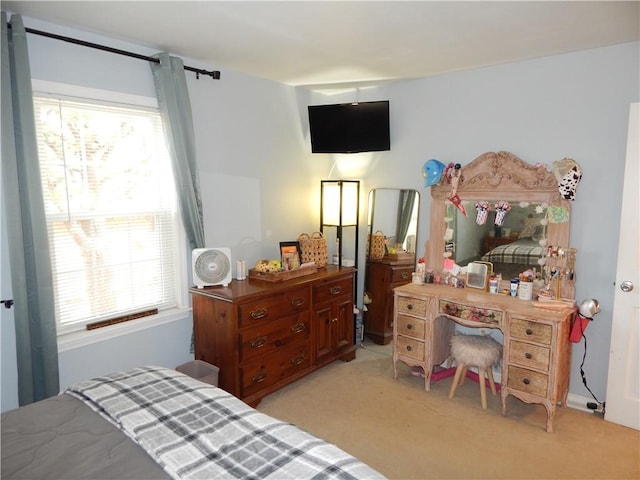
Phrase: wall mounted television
[349,127]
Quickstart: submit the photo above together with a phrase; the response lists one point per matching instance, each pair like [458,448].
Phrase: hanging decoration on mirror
[453,174]
[568,174]
[482,209]
[432,171]
[501,211]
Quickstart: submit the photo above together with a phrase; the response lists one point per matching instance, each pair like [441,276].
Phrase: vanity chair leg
[465,369]
[457,379]
[492,382]
[483,390]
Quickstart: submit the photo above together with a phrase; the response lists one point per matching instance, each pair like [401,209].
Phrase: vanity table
[536,352]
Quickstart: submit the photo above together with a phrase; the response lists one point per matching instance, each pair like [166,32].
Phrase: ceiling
[331,45]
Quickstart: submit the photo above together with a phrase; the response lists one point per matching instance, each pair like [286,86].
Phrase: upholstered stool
[475,351]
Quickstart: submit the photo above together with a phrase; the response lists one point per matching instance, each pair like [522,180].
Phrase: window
[110,209]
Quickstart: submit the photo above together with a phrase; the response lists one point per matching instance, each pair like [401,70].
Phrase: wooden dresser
[381,278]
[265,335]
[492,242]
[536,353]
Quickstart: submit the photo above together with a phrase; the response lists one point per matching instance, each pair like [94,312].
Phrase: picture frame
[290,254]
[478,275]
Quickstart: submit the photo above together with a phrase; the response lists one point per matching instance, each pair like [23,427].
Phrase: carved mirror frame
[495,176]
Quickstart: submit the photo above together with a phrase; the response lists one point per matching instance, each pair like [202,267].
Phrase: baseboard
[578,402]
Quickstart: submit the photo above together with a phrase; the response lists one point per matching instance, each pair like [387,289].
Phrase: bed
[516,257]
[153,422]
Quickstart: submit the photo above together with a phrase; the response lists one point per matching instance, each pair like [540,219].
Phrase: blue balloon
[432,172]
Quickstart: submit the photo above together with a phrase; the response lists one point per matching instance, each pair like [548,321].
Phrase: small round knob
[626,286]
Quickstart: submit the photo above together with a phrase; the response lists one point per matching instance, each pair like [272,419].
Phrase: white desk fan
[211,266]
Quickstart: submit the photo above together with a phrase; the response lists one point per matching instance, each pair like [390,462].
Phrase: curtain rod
[214,74]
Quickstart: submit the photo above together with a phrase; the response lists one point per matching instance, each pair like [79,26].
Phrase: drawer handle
[528,356]
[526,381]
[334,320]
[297,302]
[258,342]
[409,306]
[258,313]
[528,331]
[409,326]
[405,275]
[259,377]
[298,359]
[298,327]
[408,348]
[335,290]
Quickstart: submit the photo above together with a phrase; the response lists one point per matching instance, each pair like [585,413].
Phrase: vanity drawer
[410,347]
[470,312]
[412,306]
[528,381]
[528,355]
[401,275]
[531,331]
[411,326]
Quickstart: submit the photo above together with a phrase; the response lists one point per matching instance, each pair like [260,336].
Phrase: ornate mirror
[524,212]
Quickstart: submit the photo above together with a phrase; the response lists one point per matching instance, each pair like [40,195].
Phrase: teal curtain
[175,109]
[406,201]
[31,277]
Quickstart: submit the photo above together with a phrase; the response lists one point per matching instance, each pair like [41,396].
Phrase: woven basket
[314,248]
[377,242]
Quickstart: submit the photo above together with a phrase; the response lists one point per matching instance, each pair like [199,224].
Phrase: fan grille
[212,266]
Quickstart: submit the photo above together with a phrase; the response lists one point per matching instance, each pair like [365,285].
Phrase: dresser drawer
[274,306]
[410,347]
[266,371]
[412,306]
[401,275]
[528,355]
[270,336]
[528,381]
[531,331]
[411,326]
[332,289]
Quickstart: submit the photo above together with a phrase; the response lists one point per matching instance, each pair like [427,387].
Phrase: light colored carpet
[407,433]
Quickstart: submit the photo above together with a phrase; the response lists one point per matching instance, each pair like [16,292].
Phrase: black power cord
[590,405]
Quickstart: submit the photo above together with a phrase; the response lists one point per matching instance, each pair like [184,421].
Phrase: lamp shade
[340,196]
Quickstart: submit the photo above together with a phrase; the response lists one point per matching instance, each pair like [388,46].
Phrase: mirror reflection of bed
[500,177]
[512,247]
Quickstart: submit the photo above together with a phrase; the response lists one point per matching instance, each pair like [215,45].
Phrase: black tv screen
[349,127]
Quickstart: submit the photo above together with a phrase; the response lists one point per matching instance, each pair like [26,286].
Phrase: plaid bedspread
[524,251]
[195,430]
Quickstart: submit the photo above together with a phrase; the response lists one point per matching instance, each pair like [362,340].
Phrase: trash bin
[203,371]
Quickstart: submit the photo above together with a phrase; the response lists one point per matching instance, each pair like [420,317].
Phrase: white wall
[261,183]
